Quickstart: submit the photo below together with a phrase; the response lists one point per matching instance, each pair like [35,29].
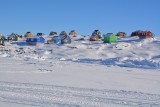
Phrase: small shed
[110,38]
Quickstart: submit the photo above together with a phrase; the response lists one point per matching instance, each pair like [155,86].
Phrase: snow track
[51,95]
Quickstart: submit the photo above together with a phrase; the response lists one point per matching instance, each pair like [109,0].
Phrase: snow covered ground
[83,73]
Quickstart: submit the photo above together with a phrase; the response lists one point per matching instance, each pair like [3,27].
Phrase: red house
[142,34]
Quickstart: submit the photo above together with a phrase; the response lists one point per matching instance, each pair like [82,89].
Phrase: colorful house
[96,35]
[142,34]
[51,36]
[121,34]
[35,40]
[28,34]
[110,38]
[73,33]
[53,33]
[14,37]
[40,34]
[65,39]
[1,40]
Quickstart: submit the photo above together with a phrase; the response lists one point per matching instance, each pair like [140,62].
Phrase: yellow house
[73,32]
[28,34]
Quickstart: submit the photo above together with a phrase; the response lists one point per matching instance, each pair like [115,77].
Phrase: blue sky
[84,16]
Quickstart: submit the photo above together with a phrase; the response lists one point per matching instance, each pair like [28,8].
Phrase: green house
[110,38]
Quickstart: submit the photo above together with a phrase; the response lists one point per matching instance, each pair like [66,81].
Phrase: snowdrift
[128,52]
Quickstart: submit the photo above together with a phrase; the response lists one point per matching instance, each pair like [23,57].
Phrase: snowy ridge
[128,52]
[51,95]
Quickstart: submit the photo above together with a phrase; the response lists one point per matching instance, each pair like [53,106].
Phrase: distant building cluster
[64,38]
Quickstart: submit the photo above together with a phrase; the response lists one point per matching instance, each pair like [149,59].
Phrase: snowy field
[83,73]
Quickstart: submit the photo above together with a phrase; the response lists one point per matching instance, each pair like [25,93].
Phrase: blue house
[34,40]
